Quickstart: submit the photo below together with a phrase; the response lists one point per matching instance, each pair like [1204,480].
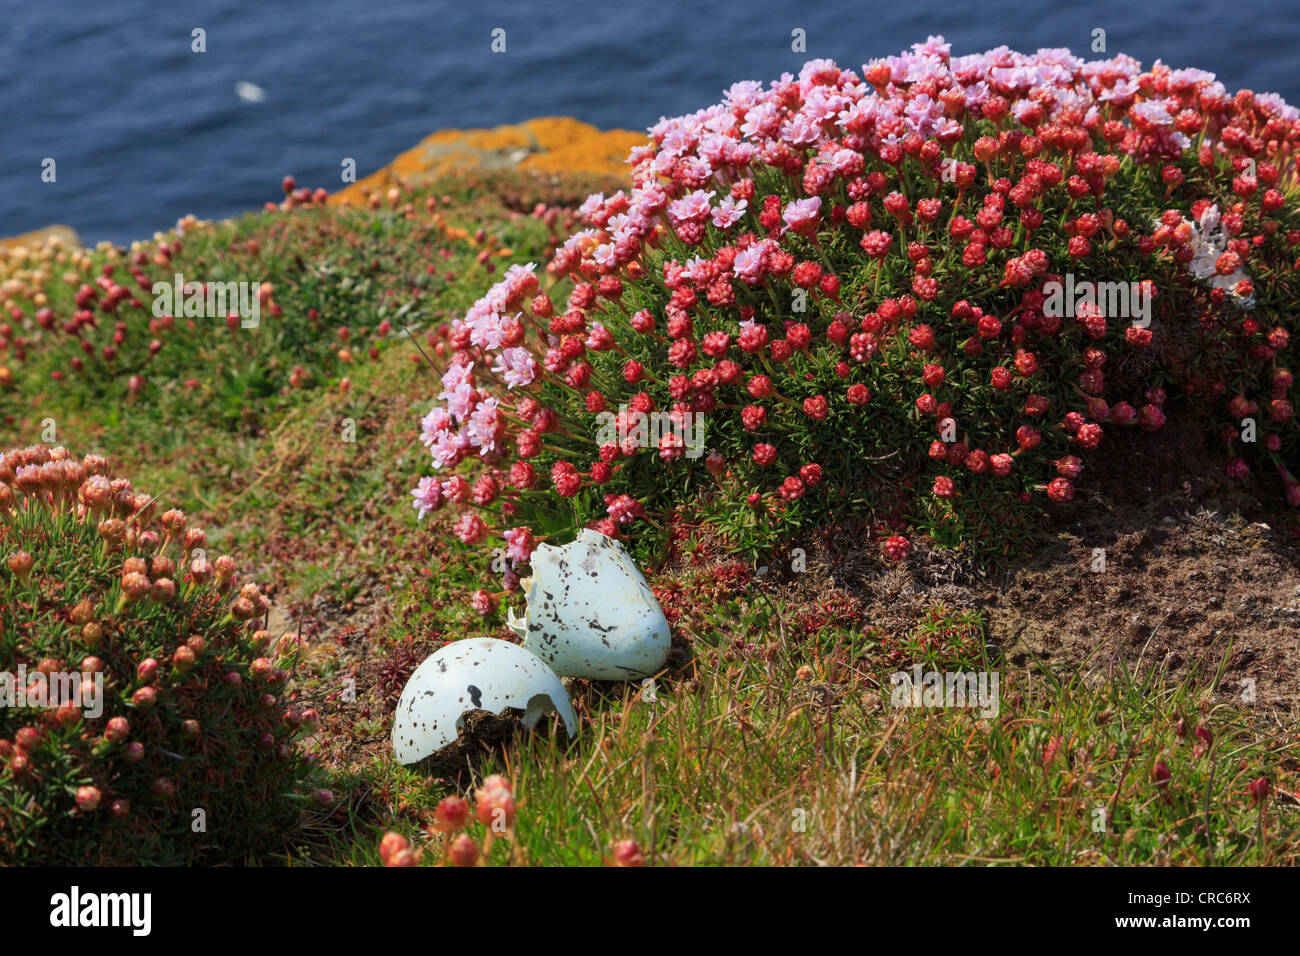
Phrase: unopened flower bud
[112,530]
[134,585]
[96,493]
[391,844]
[495,807]
[145,698]
[117,730]
[627,853]
[201,570]
[463,851]
[21,564]
[183,659]
[225,571]
[451,814]
[243,609]
[1160,773]
[173,522]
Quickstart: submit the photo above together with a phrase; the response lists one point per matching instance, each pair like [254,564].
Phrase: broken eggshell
[478,673]
[590,612]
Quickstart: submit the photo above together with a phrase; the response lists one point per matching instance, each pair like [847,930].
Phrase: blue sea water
[143,130]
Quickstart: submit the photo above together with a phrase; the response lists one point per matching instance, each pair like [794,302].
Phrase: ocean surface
[143,130]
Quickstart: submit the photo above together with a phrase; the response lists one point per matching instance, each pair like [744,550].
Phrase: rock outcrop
[548,143]
[66,234]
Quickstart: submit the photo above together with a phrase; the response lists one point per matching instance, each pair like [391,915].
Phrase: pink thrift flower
[519,544]
[428,496]
[470,529]
[692,208]
[802,214]
[516,366]
[671,447]
[729,212]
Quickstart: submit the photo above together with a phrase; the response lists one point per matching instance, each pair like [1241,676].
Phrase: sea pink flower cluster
[920,212]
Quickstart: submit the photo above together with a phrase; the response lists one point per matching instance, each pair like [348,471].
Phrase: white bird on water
[249,92]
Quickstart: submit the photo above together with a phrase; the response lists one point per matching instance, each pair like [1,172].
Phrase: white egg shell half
[590,612]
[477,673]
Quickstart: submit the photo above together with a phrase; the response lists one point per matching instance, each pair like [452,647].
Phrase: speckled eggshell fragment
[590,612]
[478,673]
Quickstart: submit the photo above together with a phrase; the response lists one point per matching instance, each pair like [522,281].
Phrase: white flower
[1208,243]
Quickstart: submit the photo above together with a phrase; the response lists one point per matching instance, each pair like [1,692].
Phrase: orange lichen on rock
[551,143]
[37,237]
